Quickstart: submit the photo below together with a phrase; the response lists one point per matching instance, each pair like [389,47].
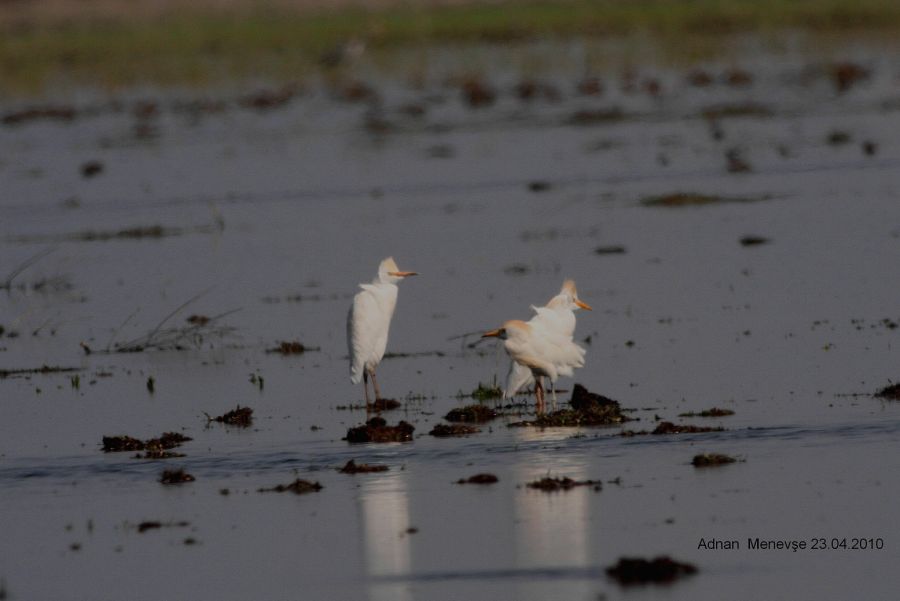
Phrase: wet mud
[298,487]
[351,467]
[712,412]
[711,459]
[671,428]
[587,409]
[471,413]
[178,476]
[548,484]
[891,392]
[240,416]
[167,440]
[377,430]
[451,430]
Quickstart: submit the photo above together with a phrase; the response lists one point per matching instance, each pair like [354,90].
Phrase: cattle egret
[529,347]
[557,320]
[369,321]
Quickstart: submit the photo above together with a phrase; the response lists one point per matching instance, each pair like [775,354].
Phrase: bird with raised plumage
[555,321]
[369,322]
[532,348]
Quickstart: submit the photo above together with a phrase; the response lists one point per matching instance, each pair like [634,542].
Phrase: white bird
[369,321]
[557,322]
[532,348]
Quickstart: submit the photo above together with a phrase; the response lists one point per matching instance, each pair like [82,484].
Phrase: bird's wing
[539,365]
[519,376]
[363,331]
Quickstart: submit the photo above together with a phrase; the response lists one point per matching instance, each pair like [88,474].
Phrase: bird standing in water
[532,348]
[554,322]
[369,321]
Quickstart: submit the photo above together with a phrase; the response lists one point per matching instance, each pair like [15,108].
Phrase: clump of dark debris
[479,479]
[659,570]
[754,240]
[670,428]
[44,369]
[298,487]
[378,405]
[587,409]
[351,467]
[178,476]
[154,524]
[714,412]
[447,430]
[548,484]
[383,405]
[891,392]
[711,459]
[240,416]
[289,348]
[155,447]
[687,199]
[471,413]
[377,430]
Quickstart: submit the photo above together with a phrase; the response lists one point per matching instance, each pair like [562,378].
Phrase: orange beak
[492,333]
[583,305]
[402,274]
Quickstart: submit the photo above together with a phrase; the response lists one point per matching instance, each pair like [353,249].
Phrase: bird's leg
[539,392]
[553,393]
[375,386]
[366,390]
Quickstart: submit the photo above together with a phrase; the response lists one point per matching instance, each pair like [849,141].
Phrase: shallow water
[278,214]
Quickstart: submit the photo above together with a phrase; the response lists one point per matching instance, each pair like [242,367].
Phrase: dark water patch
[672,428]
[659,570]
[479,479]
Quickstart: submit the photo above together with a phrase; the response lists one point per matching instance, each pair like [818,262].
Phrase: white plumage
[369,322]
[555,323]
